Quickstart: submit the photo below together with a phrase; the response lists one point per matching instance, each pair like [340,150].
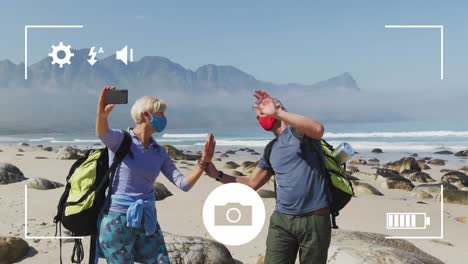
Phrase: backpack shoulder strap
[124,148]
[267,155]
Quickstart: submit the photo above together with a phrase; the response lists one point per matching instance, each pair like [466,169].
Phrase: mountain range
[150,72]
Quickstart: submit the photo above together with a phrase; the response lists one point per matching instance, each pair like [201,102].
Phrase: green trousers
[288,234]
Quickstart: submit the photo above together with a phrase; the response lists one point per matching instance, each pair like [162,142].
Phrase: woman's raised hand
[208,149]
[103,109]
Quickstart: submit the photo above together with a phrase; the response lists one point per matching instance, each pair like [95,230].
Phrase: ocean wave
[240,143]
[184,135]
[404,146]
[41,139]
[77,141]
[408,134]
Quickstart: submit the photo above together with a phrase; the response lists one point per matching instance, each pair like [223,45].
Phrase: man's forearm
[308,126]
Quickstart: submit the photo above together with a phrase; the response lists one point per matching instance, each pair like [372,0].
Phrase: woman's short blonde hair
[146,104]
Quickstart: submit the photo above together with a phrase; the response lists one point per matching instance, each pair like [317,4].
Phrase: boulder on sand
[43,184]
[69,153]
[437,162]
[434,187]
[160,191]
[462,153]
[231,165]
[365,188]
[358,162]
[196,250]
[454,196]
[9,173]
[12,249]
[455,177]
[417,176]
[352,169]
[444,152]
[377,150]
[176,154]
[371,248]
[407,163]
[393,180]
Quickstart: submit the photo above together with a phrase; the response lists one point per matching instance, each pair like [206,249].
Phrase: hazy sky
[279,41]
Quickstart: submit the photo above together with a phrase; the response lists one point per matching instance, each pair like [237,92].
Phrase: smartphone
[116,97]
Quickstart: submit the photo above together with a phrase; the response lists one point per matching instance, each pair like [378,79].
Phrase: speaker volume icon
[124,55]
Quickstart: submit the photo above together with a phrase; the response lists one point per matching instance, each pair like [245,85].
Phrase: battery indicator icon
[407,221]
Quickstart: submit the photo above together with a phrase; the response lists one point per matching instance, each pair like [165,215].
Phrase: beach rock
[365,175]
[50,149]
[462,219]
[255,154]
[464,168]
[237,173]
[407,163]
[39,146]
[12,249]
[20,155]
[455,177]
[230,165]
[351,177]
[69,153]
[217,159]
[266,193]
[463,153]
[24,144]
[160,191]
[397,184]
[230,152]
[414,155]
[247,168]
[444,152]
[365,188]
[1,150]
[248,163]
[353,247]
[446,170]
[423,165]
[9,173]
[434,187]
[393,180]
[455,196]
[417,176]
[176,154]
[40,157]
[424,195]
[224,156]
[20,150]
[358,162]
[352,169]
[196,250]
[437,162]
[377,150]
[388,173]
[43,184]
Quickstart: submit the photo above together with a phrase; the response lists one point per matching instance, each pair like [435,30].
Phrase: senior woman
[130,231]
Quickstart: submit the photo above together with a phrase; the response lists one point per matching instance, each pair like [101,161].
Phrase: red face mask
[267,122]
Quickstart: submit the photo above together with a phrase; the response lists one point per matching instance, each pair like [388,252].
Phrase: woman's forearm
[194,175]
[102,125]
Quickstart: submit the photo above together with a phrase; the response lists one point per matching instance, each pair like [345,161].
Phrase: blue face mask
[158,123]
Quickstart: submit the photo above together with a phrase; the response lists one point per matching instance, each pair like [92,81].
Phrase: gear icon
[64,49]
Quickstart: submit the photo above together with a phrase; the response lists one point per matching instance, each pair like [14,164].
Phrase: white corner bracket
[26,27]
[441,28]
[26,236]
[441,223]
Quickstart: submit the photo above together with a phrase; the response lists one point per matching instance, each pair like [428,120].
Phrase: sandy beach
[181,213]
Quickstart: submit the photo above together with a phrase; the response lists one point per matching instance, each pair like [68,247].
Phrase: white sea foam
[239,142]
[41,139]
[184,135]
[408,134]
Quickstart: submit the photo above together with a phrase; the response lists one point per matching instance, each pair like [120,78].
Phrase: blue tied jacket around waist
[139,211]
